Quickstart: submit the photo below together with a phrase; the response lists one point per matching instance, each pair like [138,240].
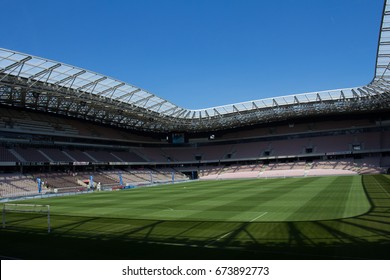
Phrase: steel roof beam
[181,112]
[160,104]
[147,98]
[16,64]
[50,70]
[379,87]
[131,93]
[74,76]
[373,92]
[188,113]
[363,92]
[254,106]
[44,71]
[342,95]
[111,89]
[91,83]
[216,111]
[355,94]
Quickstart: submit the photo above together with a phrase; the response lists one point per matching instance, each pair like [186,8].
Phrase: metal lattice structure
[41,84]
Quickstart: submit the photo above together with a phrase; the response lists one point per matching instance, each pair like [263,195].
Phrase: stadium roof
[45,85]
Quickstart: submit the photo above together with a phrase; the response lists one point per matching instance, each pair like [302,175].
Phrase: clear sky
[204,53]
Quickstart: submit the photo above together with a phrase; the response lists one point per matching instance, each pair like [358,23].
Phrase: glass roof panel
[17,56]
[55,77]
[28,71]
[4,63]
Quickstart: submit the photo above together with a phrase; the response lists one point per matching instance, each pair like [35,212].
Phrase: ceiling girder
[16,64]
[44,71]
[91,83]
[74,76]
[111,89]
[128,94]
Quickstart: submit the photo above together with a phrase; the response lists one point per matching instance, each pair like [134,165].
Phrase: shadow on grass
[362,237]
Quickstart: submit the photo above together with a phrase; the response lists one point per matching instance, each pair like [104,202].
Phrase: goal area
[26,215]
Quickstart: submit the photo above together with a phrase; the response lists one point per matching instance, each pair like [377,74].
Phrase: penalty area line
[261,215]
[230,232]
[219,238]
[223,236]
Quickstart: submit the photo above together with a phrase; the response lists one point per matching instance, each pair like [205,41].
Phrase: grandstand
[34,142]
[56,117]
[66,125]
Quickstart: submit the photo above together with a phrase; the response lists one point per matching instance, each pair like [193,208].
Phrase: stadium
[97,168]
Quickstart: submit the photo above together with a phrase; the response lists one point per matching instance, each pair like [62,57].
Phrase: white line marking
[224,235]
[261,215]
[219,238]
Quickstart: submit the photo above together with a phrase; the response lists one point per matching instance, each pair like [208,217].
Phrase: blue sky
[204,53]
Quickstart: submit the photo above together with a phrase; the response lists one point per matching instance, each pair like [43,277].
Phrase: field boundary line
[261,215]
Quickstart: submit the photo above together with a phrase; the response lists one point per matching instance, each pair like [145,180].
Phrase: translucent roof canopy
[61,75]
[27,74]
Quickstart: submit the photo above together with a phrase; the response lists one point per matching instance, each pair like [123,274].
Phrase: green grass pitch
[331,217]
